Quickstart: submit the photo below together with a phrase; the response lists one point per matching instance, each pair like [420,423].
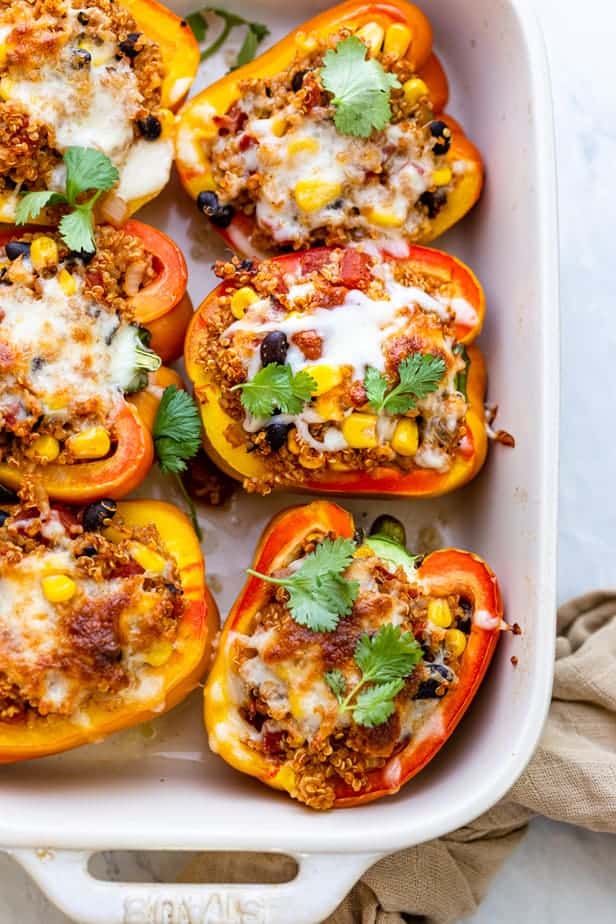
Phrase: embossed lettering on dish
[213,908]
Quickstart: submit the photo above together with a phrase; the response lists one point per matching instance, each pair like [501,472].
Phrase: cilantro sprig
[319,594]
[360,88]
[274,387]
[385,660]
[87,171]
[420,374]
[177,437]
[255,33]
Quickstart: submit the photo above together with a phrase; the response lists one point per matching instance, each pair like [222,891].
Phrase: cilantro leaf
[255,34]
[86,169]
[77,230]
[387,655]
[385,659]
[420,374]
[336,682]
[375,705]
[177,430]
[319,595]
[32,204]
[275,387]
[360,88]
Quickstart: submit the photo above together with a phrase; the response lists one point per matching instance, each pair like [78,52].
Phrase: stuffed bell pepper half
[78,373]
[333,135]
[343,370]
[346,662]
[105,620]
[90,74]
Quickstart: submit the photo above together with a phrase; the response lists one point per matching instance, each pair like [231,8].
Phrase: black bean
[7,496]
[9,182]
[298,80]
[443,672]
[80,58]
[433,201]
[150,127]
[84,255]
[127,47]
[4,515]
[83,18]
[274,348]
[442,133]
[466,623]
[16,249]
[359,535]
[247,266]
[36,364]
[219,215]
[390,527]
[98,514]
[89,550]
[430,689]
[276,434]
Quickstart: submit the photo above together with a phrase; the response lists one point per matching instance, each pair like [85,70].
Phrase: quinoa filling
[84,618]
[277,155]
[69,347]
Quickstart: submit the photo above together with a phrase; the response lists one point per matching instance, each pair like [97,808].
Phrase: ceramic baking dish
[157,787]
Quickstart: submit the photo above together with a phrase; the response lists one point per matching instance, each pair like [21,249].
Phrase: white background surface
[560,873]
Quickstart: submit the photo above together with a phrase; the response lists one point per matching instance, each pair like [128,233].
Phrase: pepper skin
[444,572]
[196,118]
[163,306]
[181,674]
[382,480]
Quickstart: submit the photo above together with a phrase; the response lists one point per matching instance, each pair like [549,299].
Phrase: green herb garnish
[360,88]
[274,387]
[420,374]
[177,437]
[461,379]
[87,170]
[255,33]
[319,595]
[385,659]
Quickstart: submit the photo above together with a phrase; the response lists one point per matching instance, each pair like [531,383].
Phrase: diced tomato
[355,269]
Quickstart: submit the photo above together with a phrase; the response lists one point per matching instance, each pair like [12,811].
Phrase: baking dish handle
[322,881]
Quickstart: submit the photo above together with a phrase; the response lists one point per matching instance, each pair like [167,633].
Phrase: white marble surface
[559,873]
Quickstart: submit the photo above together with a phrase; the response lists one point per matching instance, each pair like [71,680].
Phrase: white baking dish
[159,788]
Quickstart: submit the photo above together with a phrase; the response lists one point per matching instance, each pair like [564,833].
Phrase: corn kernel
[91,443]
[439,613]
[405,438]
[311,458]
[305,42]
[58,588]
[385,218]
[441,177]
[337,466]
[43,253]
[147,558]
[397,40]
[414,89]
[329,407]
[241,299]
[159,654]
[67,281]
[455,642]
[363,551]
[372,36]
[55,400]
[279,126]
[167,121]
[6,88]
[326,377]
[303,145]
[359,430]
[292,442]
[314,194]
[44,449]
[3,53]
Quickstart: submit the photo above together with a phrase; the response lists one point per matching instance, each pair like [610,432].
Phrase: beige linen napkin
[571,777]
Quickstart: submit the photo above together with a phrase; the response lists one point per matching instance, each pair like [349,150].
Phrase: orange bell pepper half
[442,573]
[197,118]
[381,480]
[39,736]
